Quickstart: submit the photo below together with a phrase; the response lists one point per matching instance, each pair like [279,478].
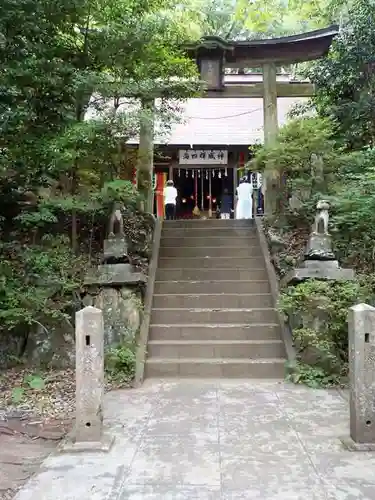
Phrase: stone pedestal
[88,432]
[361,321]
[115,249]
[319,247]
[122,312]
[116,289]
[115,275]
[320,270]
[319,263]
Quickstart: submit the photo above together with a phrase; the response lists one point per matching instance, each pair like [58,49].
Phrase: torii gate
[214,54]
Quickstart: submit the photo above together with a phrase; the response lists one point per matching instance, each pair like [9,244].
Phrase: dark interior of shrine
[195,186]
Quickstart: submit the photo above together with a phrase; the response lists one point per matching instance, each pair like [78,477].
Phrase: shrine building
[206,152]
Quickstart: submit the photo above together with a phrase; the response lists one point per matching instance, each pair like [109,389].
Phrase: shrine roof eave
[174,147]
[288,49]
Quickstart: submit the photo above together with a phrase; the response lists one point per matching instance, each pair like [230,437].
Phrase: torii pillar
[270,187]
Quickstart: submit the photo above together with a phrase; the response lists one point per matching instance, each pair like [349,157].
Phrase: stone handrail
[145,325]
[286,331]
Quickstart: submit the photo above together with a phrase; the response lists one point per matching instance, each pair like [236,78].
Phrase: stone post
[361,321]
[88,433]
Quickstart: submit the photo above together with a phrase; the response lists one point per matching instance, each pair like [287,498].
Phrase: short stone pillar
[88,432]
[361,321]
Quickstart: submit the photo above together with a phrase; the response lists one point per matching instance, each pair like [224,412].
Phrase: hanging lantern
[183,200]
[213,173]
[226,172]
[213,200]
[206,173]
[199,173]
[219,174]
[192,197]
[187,173]
[208,197]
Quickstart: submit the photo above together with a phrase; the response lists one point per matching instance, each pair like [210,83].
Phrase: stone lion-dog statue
[116,219]
[321,218]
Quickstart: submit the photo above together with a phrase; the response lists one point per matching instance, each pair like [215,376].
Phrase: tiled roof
[213,121]
[224,121]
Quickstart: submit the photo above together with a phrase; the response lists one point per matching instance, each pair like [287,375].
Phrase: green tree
[345,79]
[59,171]
[305,158]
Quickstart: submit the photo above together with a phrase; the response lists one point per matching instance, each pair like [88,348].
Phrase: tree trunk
[74,186]
[145,160]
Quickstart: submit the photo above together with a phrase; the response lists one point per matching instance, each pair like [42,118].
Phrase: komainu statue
[321,218]
[116,221]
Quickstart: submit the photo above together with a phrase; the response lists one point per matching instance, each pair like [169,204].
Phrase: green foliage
[296,142]
[118,190]
[258,19]
[318,313]
[305,158]
[37,282]
[275,18]
[31,382]
[35,382]
[120,363]
[59,172]
[312,376]
[345,79]
[354,211]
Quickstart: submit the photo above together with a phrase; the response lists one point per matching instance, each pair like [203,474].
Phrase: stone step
[206,241]
[215,331]
[249,349]
[218,300]
[215,368]
[209,232]
[211,262]
[202,223]
[222,316]
[211,274]
[211,287]
[216,251]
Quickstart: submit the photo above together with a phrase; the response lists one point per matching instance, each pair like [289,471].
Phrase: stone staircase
[213,313]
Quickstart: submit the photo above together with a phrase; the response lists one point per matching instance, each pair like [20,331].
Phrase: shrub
[317,311]
[120,363]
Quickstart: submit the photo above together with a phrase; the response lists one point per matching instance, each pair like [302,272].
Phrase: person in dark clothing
[225,205]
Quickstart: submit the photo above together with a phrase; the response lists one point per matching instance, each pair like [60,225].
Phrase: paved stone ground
[24,444]
[20,458]
[215,440]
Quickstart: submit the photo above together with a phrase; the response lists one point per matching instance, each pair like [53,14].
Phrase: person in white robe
[244,207]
